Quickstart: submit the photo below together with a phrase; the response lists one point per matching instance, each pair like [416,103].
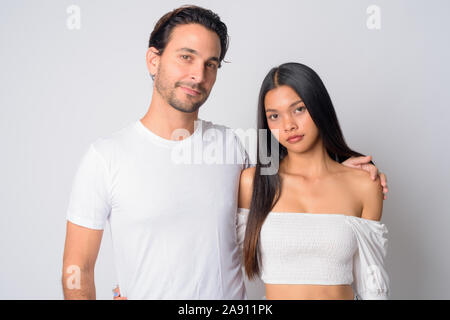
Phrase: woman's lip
[190,91]
[295,138]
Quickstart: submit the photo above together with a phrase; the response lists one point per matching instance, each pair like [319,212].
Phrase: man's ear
[152,57]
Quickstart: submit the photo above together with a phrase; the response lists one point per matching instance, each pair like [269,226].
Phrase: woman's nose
[290,125]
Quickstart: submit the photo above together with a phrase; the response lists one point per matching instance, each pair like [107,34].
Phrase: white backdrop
[62,87]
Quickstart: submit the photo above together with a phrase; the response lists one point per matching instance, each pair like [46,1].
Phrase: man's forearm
[79,286]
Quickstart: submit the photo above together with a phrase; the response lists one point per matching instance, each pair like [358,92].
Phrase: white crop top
[320,248]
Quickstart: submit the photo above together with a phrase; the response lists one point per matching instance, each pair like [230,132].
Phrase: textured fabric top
[321,248]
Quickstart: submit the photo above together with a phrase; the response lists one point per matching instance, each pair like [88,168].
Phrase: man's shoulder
[212,125]
[231,140]
[226,131]
[121,137]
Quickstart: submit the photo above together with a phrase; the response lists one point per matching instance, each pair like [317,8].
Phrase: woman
[312,230]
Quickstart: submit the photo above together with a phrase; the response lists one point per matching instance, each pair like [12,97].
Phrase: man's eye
[212,66]
[185,57]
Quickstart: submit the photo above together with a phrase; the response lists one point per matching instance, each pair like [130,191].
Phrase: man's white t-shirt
[172,209]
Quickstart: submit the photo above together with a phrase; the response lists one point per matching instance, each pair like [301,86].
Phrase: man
[172,224]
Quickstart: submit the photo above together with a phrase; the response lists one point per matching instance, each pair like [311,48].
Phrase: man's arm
[80,253]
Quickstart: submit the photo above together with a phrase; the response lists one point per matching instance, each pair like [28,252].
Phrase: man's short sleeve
[90,201]
[244,158]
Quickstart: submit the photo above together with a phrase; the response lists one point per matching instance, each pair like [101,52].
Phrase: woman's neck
[311,164]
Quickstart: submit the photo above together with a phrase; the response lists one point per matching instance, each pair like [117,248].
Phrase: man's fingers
[117,296]
[361,160]
[373,172]
[383,180]
[384,185]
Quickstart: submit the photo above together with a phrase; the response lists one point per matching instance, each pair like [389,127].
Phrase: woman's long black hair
[267,188]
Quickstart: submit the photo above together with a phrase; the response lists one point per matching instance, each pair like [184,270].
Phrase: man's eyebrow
[188,50]
[292,104]
[197,54]
[215,59]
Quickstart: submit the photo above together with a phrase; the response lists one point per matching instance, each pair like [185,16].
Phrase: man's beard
[169,94]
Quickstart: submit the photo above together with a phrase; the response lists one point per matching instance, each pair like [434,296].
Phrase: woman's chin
[296,148]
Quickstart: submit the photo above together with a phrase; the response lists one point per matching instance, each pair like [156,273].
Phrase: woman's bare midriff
[308,292]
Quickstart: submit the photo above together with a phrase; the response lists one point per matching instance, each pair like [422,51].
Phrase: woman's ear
[152,58]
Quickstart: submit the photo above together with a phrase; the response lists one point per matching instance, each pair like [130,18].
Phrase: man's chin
[186,109]
[186,105]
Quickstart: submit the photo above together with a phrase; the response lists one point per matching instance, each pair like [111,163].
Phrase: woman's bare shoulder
[246,187]
[369,191]
[247,175]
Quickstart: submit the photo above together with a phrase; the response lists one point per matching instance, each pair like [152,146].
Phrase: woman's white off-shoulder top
[320,248]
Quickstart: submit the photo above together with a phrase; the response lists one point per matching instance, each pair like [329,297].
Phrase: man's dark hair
[186,15]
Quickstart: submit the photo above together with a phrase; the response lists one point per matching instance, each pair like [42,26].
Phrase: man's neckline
[167,142]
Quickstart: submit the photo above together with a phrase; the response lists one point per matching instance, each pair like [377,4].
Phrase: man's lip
[295,138]
[190,91]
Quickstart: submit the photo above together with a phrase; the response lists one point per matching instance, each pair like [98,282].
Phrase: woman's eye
[273,116]
[300,109]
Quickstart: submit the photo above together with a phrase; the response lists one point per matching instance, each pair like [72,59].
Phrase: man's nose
[197,73]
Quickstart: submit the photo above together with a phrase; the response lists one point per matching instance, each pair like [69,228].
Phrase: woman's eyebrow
[292,105]
[295,103]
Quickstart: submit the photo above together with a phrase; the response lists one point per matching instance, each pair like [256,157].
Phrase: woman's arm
[372,199]
[246,188]
[371,280]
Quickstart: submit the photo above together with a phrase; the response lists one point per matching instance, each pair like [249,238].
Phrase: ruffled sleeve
[241,222]
[370,279]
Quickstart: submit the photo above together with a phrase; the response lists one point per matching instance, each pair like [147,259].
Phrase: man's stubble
[168,93]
